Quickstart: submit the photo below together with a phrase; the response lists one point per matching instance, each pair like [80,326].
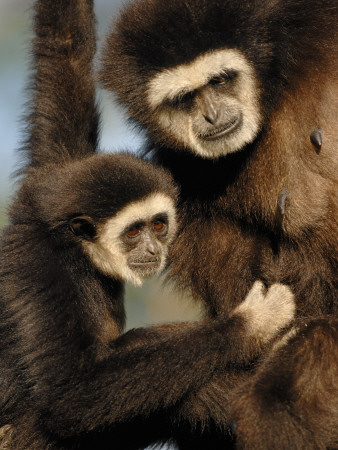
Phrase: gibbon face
[210,106]
[133,244]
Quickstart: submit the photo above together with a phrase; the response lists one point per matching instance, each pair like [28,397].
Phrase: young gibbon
[81,224]
[239,102]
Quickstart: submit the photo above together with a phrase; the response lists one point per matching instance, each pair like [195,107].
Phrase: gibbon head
[210,106]
[133,244]
[191,72]
[119,209]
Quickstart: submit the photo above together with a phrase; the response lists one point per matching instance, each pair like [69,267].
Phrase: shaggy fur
[69,379]
[269,211]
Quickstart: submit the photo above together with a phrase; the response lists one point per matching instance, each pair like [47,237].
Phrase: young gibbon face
[210,106]
[133,244]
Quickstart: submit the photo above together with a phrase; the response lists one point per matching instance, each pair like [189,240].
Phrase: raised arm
[63,120]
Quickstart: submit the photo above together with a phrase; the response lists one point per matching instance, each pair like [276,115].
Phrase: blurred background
[153,303]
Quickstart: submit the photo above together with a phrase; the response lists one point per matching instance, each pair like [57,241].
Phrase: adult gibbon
[239,102]
[81,224]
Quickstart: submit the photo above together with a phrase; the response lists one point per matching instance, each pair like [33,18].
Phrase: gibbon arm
[63,118]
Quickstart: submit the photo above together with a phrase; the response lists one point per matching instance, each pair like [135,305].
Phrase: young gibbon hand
[81,224]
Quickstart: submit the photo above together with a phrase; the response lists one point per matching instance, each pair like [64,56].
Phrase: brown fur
[233,230]
[70,378]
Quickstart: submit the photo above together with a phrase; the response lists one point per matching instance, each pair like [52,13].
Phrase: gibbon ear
[83,226]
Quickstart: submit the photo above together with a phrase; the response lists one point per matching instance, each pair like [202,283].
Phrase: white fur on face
[185,78]
[107,252]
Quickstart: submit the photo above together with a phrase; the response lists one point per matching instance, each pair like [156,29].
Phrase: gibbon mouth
[145,266]
[219,133]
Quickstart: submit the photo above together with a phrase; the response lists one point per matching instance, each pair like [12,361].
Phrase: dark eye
[188,97]
[133,232]
[223,78]
[159,225]
[184,100]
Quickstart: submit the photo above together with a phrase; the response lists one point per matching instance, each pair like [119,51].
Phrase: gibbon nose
[208,108]
[151,247]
